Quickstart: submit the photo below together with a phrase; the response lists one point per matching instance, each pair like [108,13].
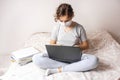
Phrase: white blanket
[101,44]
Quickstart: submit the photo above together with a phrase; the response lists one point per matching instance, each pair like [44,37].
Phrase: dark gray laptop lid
[66,54]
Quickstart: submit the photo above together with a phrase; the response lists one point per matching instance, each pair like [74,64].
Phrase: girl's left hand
[76,45]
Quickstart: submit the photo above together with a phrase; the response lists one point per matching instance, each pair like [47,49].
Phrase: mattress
[102,45]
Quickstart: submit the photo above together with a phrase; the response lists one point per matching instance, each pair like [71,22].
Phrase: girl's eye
[64,21]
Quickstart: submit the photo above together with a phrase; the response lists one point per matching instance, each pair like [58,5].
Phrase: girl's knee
[94,61]
[37,59]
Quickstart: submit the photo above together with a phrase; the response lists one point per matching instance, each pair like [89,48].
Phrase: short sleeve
[83,34]
[54,32]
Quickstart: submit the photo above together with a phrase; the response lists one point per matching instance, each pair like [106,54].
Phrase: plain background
[21,18]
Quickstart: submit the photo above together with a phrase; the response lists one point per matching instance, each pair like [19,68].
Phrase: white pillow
[38,40]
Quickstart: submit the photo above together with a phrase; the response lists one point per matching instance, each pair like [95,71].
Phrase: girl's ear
[73,15]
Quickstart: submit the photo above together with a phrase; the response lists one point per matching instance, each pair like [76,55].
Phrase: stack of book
[24,56]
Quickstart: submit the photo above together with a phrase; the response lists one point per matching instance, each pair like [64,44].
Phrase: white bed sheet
[101,44]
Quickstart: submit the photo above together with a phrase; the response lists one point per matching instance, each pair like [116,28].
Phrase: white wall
[20,18]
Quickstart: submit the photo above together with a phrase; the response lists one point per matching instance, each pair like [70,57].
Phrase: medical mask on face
[66,24]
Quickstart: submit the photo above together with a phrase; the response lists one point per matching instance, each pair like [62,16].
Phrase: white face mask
[66,24]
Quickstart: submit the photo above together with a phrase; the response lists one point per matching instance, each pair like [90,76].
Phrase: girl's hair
[63,10]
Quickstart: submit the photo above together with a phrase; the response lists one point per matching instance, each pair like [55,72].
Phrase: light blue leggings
[87,62]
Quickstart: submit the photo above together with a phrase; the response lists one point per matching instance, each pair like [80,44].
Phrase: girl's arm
[52,42]
[83,45]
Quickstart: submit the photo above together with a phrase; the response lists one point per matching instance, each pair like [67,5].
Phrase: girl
[70,33]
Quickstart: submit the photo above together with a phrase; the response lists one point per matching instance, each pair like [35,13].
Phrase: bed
[102,45]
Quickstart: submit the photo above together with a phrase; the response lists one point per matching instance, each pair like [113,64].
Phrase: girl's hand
[57,44]
[76,45]
[84,45]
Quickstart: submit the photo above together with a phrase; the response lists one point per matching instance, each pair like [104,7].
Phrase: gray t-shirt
[70,38]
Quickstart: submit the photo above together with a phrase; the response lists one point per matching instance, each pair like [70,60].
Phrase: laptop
[67,54]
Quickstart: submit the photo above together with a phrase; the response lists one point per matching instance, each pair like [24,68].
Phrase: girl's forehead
[64,18]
